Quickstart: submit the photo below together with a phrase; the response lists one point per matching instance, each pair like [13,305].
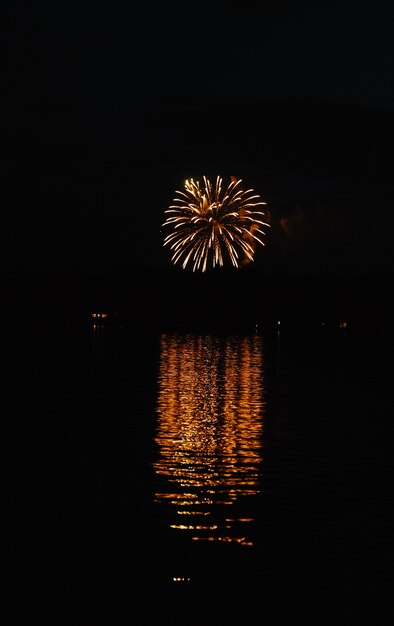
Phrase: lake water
[187,478]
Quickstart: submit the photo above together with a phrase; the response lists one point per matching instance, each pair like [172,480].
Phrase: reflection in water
[209,433]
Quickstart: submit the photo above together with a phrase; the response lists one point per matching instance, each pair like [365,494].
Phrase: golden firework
[211,223]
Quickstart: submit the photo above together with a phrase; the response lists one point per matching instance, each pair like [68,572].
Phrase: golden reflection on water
[210,413]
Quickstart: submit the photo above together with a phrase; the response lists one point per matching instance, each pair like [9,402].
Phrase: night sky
[108,108]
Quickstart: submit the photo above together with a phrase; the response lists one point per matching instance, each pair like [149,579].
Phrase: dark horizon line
[177,300]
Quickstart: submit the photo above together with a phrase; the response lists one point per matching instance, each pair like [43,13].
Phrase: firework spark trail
[208,223]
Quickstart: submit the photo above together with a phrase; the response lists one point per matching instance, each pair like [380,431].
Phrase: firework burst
[211,223]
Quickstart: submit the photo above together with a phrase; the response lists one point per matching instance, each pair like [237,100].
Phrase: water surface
[219,475]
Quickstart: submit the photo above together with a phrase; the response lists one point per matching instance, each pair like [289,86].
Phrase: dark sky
[109,107]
